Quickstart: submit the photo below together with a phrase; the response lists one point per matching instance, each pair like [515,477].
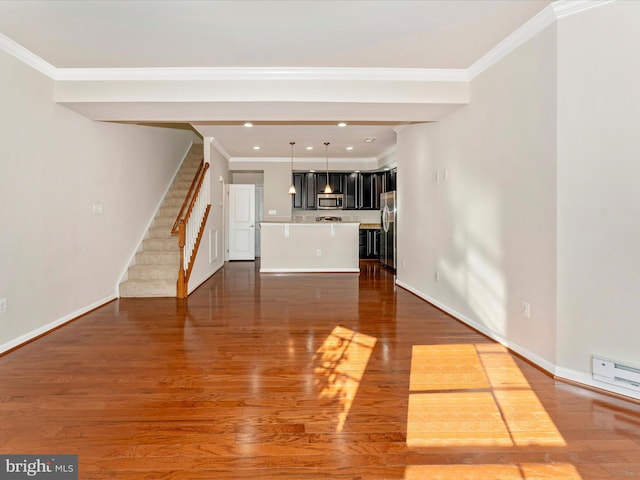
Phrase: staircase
[155,272]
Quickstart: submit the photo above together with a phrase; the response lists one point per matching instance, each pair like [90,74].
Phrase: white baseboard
[16,342]
[310,270]
[588,380]
[557,372]
[532,357]
[194,284]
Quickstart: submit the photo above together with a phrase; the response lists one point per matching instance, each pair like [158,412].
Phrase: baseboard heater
[615,373]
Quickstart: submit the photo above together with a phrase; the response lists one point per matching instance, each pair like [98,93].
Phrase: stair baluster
[190,226]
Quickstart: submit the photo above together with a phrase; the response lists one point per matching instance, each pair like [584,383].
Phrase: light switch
[97,209]
[273,212]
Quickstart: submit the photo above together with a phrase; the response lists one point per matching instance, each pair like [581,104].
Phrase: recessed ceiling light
[312,171]
[256,147]
[309,148]
[356,171]
[349,148]
[369,140]
[342,124]
[248,124]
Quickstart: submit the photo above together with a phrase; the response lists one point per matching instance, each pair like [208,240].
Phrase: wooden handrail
[195,195]
[181,226]
[174,229]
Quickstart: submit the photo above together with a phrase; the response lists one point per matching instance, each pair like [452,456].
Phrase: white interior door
[259,215]
[242,222]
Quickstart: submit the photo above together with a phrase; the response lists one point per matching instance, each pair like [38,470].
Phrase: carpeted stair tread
[148,288]
[155,271]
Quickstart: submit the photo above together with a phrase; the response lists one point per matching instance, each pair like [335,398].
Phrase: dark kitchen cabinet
[310,191]
[371,186]
[351,188]
[362,243]
[335,181]
[361,190]
[380,187]
[305,196]
[367,191]
[369,243]
[297,199]
[390,180]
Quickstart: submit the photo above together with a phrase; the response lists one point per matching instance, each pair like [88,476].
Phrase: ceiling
[406,34]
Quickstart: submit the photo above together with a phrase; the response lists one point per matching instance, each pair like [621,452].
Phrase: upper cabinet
[305,197]
[336,182]
[361,190]
[390,179]
[296,200]
[351,191]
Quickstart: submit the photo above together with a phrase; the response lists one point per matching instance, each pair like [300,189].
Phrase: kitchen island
[309,247]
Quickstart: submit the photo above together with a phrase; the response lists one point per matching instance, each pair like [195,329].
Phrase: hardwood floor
[301,377]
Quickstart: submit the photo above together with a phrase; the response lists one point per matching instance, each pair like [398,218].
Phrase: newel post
[182,282]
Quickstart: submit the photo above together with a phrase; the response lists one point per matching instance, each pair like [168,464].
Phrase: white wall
[277,179]
[541,201]
[247,178]
[488,225]
[57,259]
[211,254]
[598,183]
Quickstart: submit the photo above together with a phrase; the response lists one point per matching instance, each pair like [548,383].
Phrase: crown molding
[527,31]
[276,73]
[548,16]
[556,10]
[26,56]
[564,8]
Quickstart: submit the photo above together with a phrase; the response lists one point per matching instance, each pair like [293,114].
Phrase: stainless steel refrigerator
[388,212]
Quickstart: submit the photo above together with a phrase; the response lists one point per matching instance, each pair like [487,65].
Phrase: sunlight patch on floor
[525,471]
[446,367]
[341,362]
[466,395]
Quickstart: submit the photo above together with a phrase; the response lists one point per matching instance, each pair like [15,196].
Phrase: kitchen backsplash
[364,216]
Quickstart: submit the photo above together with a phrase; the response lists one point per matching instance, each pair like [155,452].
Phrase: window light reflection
[341,362]
[466,395]
[525,471]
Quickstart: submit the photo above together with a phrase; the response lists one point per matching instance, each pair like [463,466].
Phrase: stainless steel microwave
[330,201]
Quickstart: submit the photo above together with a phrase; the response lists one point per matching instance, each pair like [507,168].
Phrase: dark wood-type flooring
[332,376]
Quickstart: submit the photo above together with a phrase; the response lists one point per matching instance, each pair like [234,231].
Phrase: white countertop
[309,223]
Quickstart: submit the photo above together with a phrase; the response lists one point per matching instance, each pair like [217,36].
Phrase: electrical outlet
[3,305]
[436,276]
[526,309]
[318,252]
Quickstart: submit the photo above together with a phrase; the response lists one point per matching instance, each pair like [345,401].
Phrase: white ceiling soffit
[437,34]
[216,63]
[56,37]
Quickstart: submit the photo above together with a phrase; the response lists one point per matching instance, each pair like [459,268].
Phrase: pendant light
[292,188]
[327,188]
